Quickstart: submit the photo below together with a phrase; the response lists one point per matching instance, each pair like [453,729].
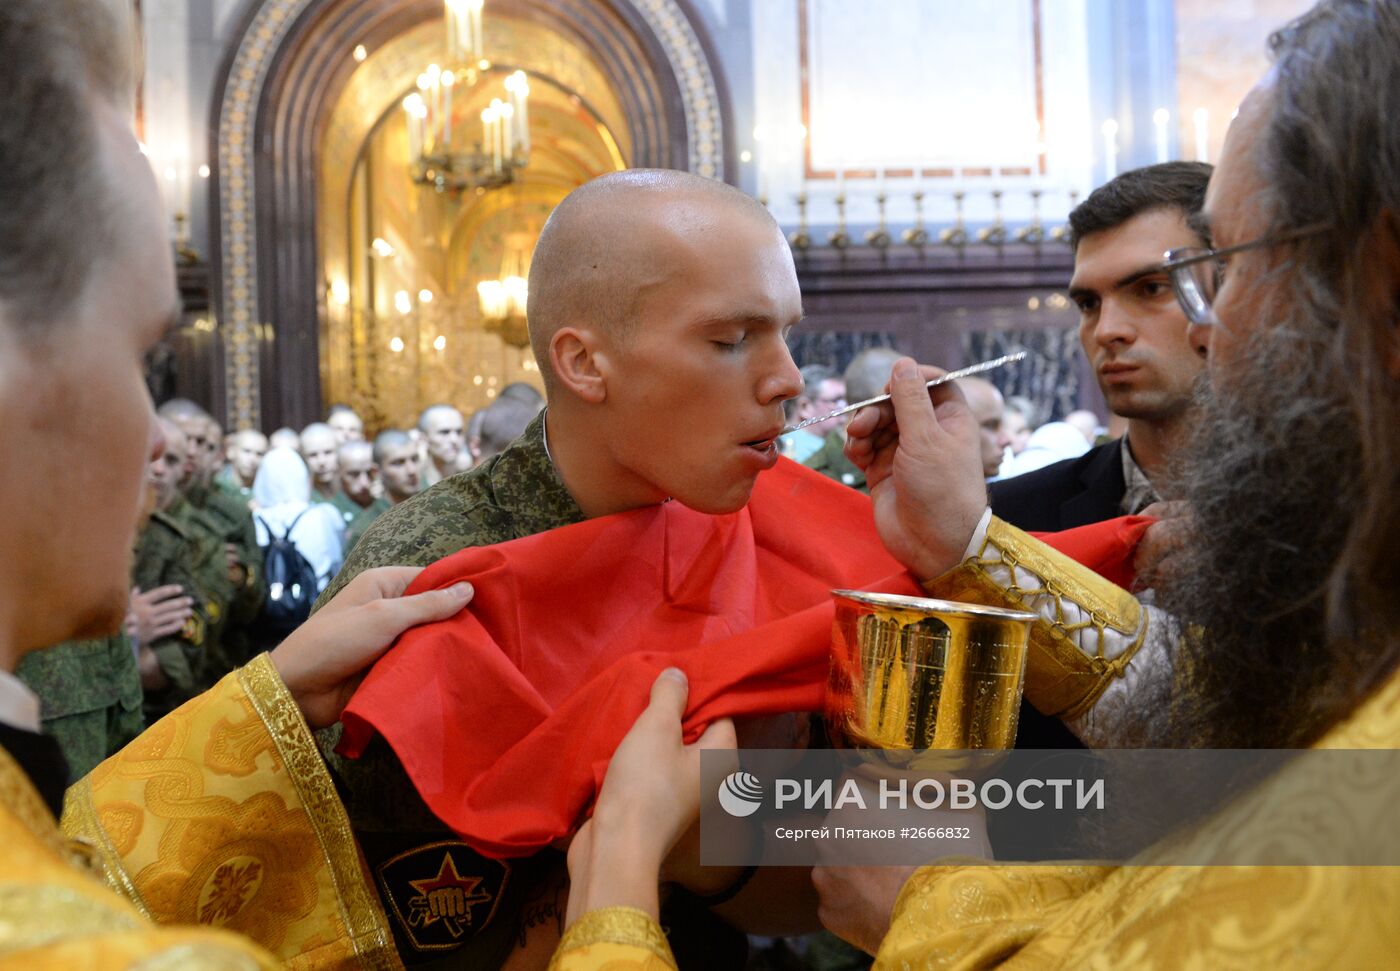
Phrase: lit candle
[1202,119]
[519,90]
[411,107]
[1110,149]
[434,104]
[488,136]
[1160,117]
[447,81]
[478,43]
[507,114]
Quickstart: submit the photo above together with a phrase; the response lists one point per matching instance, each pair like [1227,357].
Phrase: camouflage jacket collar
[527,485]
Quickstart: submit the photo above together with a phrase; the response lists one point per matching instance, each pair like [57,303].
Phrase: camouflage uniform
[213,588]
[90,694]
[360,520]
[830,460]
[514,494]
[164,555]
[233,523]
[226,481]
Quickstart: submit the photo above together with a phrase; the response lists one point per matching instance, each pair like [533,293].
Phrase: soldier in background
[164,557]
[445,434]
[356,499]
[245,453]
[504,421]
[318,444]
[206,556]
[348,426]
[395,458]
[233,522]
[865,377]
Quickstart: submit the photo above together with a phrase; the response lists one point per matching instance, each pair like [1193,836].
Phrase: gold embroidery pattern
[38,915]
[195,821]
[80,822]
[1062,679]
[614,925]
[364,919]
[234,747]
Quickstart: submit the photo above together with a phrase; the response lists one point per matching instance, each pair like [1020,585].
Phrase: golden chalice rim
[932,606]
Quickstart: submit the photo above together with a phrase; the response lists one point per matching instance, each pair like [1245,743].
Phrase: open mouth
[762,444]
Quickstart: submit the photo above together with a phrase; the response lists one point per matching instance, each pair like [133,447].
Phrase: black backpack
[291,583]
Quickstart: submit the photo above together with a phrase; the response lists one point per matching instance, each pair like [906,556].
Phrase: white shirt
[19,707]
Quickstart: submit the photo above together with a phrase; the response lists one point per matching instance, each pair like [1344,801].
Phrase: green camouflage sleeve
[418,532]
[90,697]
[166,559]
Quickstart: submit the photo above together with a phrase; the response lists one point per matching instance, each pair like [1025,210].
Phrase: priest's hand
[323,661]
[857,902]
[650,797]
[921,453]
[1157,551]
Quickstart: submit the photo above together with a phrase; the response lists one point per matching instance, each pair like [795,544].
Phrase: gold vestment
[1141,916]
[222,814]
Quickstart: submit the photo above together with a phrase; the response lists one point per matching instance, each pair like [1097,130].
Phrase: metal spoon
[950,376]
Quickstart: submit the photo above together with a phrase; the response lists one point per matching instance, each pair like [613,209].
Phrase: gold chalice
[910,674]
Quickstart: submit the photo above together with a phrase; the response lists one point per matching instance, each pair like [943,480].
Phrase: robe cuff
[1089,629]
[223,813]
[626,929]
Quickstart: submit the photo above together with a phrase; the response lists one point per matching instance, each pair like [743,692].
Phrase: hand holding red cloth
[505,716]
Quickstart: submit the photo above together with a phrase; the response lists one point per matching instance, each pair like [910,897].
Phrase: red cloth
[505,717]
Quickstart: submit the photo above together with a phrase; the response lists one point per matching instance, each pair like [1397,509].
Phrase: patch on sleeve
[442,894]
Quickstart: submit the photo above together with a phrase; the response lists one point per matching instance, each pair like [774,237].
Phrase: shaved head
[869,372]
[613,241]
[987,407]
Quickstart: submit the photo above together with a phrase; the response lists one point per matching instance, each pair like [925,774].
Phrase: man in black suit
[1134,333]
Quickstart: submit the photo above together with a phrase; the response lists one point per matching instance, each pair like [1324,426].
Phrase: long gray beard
[1271,484]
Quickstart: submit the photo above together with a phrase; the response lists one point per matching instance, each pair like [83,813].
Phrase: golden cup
[909,673]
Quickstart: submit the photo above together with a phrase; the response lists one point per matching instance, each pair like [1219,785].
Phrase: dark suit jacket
[1071,493]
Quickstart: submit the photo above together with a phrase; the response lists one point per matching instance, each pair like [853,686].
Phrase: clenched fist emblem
[446,897]
[448,902]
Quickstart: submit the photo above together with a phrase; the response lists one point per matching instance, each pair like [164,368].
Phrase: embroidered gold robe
[1140,916]
[55,912]
[222,814]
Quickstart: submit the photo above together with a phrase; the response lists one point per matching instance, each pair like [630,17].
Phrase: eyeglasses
[1196,272]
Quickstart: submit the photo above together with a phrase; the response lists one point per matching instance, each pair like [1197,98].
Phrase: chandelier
[503,300]
[438,152]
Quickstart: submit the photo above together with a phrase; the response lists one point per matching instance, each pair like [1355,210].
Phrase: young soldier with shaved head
[659,304]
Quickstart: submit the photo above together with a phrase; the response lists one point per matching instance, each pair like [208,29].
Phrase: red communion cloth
[505,716]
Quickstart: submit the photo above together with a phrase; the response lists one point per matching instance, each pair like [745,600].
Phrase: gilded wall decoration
[271,28]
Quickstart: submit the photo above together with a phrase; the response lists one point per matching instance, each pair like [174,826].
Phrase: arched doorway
[281,87]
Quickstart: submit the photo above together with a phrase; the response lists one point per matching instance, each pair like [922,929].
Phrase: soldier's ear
[575,355]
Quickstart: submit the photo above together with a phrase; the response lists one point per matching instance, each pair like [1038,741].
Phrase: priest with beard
[1280,631]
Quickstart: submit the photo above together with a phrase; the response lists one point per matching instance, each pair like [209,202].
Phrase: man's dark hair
[1170,185]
